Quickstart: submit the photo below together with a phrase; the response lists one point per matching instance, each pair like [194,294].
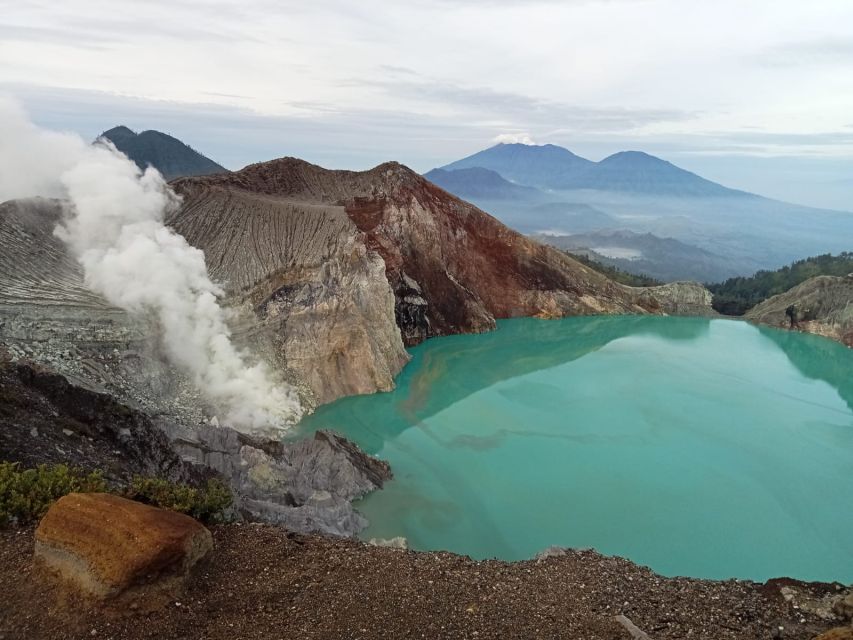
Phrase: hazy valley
[723,232]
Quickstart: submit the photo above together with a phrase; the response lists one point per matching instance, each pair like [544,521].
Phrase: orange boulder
[107,545]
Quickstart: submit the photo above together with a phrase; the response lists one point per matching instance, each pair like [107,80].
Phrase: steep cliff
[315,301]
[821,305]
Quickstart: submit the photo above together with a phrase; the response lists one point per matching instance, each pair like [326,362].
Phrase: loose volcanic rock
[306,485]
[105,544]
[266,583]
[45,419]
[843,607]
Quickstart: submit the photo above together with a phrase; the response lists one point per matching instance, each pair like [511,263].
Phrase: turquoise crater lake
[706,448]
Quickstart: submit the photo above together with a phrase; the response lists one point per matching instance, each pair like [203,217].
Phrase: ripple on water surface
[709,448]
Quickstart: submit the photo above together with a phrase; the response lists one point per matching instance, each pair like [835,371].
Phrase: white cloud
[430,80]
[514,138]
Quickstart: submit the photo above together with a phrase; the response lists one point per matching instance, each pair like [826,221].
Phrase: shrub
[26,495]
[207,504]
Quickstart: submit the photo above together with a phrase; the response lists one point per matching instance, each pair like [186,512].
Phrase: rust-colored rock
[106,545]
[452,267]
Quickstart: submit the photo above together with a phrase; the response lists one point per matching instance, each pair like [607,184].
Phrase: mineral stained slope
[452,267]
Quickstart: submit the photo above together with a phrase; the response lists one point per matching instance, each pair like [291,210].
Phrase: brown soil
[262,582]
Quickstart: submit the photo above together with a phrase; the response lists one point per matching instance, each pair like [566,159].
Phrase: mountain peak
[167,154]
[553,167]
[120,131]
[633,156]
[545,165]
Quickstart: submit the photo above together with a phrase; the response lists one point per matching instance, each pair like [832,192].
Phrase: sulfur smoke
[115,227]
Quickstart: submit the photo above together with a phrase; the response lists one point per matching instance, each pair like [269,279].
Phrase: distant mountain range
[550,190]
[547,166]
[552,167]
[168,155]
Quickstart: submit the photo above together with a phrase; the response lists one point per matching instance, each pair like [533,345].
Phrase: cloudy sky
[757,94]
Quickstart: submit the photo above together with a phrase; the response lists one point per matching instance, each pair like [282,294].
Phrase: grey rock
[307,485]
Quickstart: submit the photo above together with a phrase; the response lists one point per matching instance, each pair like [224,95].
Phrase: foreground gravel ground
[261,582]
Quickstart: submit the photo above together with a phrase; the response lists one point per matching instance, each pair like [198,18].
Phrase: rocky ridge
[452,267]
[822,305]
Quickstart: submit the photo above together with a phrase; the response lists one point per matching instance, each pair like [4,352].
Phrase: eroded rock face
[469,268]
[676,299]
[327,275]
[822,305]
[307,485]
[106,545]
[315,301]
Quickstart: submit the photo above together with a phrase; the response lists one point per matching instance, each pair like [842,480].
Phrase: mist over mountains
[719,232]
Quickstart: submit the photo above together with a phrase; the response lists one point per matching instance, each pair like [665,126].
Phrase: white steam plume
[115,228]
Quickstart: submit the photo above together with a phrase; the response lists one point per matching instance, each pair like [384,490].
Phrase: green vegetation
[206,504]
[26,494]
[736,296]
[615,273]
